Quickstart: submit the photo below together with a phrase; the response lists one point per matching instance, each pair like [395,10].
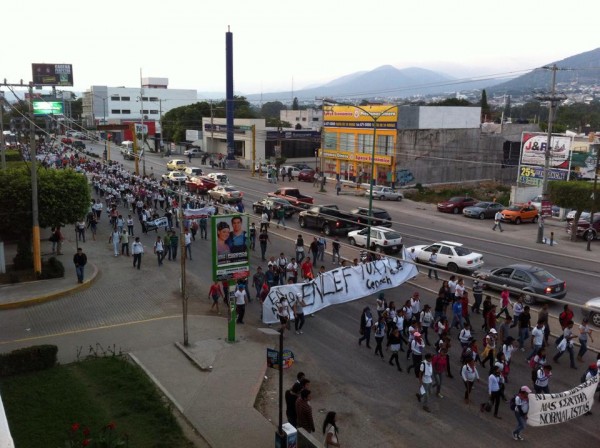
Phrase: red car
[66,141]
[456,204]
[306,175]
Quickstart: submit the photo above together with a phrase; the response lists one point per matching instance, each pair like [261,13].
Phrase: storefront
[350,136]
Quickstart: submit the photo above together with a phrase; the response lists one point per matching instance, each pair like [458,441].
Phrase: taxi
[176,164]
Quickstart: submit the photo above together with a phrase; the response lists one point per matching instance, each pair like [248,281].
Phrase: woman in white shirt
[330,430]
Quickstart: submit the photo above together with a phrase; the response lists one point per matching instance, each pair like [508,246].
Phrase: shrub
[13,156]
[53,268]
[24,257]
[29,359]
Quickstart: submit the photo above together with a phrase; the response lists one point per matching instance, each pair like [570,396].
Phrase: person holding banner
[521,410]
[566,345]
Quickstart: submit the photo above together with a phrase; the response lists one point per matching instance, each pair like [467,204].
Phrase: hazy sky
[277,43]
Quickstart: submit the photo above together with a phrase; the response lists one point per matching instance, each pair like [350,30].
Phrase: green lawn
[42,407]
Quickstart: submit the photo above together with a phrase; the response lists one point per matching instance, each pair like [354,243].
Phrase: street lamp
[592,209]
[371,177]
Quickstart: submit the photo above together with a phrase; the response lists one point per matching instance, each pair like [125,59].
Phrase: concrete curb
[191,357]
[52,296]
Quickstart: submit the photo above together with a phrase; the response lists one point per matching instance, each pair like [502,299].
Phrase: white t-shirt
[240,297]
[334,439]
[427,371]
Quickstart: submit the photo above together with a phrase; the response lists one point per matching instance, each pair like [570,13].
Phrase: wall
[439,117]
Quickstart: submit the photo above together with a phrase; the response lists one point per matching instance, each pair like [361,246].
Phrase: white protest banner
[340,285]
[550,409]
[197,213]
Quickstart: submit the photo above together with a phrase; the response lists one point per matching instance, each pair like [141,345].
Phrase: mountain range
[388,82]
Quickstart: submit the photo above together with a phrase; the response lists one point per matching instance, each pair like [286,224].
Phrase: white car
[193,171]
[176,177]
[295,171]
[220,178]
[386,193]
[382,239]
[584,215]
[592,311]
[450,255]
[194,152]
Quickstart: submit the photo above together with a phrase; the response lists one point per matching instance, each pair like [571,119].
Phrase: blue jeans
[583,348]
[523,334]
[299,256]
[520,423]
[534,351]
[79,271]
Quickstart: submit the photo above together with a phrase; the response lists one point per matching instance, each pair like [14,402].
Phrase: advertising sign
[550,409]
[273,358]
[385,116]
[230,246]
[340,285]
[52,74]
[534,150]
[347,155]
[47,107]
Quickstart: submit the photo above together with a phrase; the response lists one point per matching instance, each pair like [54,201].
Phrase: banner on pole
[273,358]
[340,285]
[550,409]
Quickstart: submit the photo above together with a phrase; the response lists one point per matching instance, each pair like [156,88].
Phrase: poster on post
[340,285]
[230,246]
[551,409]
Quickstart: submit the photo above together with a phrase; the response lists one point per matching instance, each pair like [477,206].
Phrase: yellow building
[347,141]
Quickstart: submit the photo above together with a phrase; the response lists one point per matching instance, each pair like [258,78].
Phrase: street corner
[33,293]
[203,353]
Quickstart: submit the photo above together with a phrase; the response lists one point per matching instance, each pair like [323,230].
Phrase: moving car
[176,164]
[456,204]
[127,154]
[306,175]
[194,152]
[219,178]
[384,193]
[382,239]
[66,140]
[519,213]
[483,210]
[450,255]
[274,204]
[293,195]
[225,193]
[592,311]
[327,218]
[379,217]
[79,145]
[192,171]
[175,177]
[526,277]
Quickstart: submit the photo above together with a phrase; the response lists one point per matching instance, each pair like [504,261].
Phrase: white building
[115,105]
[303,119]
[247,147]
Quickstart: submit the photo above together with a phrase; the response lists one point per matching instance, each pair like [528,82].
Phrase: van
[127,144]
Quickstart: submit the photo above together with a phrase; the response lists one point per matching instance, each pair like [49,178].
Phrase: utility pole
[182,258]
[37,252]
[2,144]
[253,149]
[590,234]
[552,100]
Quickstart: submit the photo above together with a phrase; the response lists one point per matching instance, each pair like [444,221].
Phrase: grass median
[108,397]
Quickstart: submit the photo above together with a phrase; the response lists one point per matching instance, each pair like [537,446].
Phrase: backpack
[584,376]
[513,403]
[534,374]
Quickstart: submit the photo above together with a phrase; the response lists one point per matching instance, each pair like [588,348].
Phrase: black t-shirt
[263,237]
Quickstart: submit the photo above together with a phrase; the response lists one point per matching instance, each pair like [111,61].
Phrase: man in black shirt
[80,260]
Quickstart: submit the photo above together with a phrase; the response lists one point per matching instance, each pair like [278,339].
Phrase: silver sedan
[225,193]
[386,194]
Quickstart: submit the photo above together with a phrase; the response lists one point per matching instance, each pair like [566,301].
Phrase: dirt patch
[484,191]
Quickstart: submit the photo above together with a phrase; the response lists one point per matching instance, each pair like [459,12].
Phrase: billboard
[52,74]
[230,246]
[385,116]
[534,150]
[47,107]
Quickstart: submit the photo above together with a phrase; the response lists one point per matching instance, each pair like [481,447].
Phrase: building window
[347,142]
[385,145]
[303,118]
[144,98]
[315,119]
[145,111]
[297,118]
[153,112]
[365,143]
[126,111]
[153,98]
[330,140]
[125,98]
[115,98]
[115,111]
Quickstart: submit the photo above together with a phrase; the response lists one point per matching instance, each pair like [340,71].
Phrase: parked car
[193,171]
[585,215]
[592,311]
[306,175]
[302,166]
[225,193]
[382,239]
[79,145]
[175,177]
[379,217]
[456,204]
[176,164]
[583,228]
[483,210]
[519,213]
[79,135]
[127,154]
[384,193]
[274,204]
[450,255]
[295,171]
[526,277]
[194,152]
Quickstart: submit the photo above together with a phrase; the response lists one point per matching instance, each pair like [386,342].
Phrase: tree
[63,198]
[295,104]
[575,195]
[452,102]
[485,107]
[272,109]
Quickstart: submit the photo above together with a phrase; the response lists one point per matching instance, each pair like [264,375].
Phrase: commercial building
[121,105]
[303,119]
